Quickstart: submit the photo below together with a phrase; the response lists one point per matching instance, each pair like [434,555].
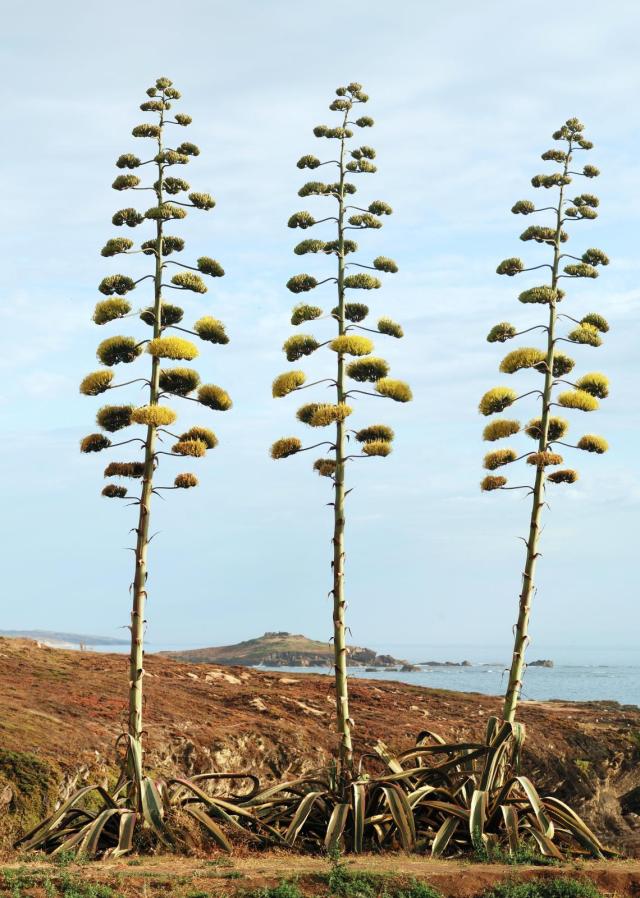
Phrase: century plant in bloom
[161,346]
[353,364]
[561,390]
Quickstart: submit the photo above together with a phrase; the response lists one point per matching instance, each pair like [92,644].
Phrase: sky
[465,98]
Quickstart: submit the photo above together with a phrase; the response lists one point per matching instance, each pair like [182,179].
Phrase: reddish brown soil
[179,877]
[69,708]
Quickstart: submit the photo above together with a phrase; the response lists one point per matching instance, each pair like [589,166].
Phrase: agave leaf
[358,798]
[493,725]
[417,795]
[423,735]
[546,846]
[72,842]
[519,733]
[510,817]
[478,819]
[546,826]
[125,834]
[448,808]
[336,825]
[390,759]
[43,830]
[402,815]
[211,827]
[496,751]
[578,827]
[153,811]
[285,787]
[300,817]
[91,840]
[443,836]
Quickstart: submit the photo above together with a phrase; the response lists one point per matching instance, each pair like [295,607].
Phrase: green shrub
[545,888]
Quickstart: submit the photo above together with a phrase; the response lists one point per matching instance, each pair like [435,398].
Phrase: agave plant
[555,367]
[354,364]
[137,797]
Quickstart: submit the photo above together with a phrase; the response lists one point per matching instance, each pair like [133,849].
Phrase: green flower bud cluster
[353,311]
[214,397]
[363,152]
[554,180]
[595,256]
[362,281]
[301,283]
[304,312]
[390,328]
[183,119]
[586,334]
[146,130]
[211,330]
[299,345]
[590,171]
[180,381]
[110,309]
[202,201]
[586,199]
[125,182]
[501,332]
[165,212]
[172,185]
[365,220]
[543,235]
[171,157]
[510,267]
[582,212]
[169,245]
[209,266]
[129,217]
[556,428]
[334,133]
[523,207]
[368,369]
[169,315]
[116,245]
[597,321]
[362,166]
[186,280]
[542,294]
[580,270]
[309,246]
[382,263]
[128,160]
[301,220]
[116,283]
[114,417]
[188,149]
[308,161]
[115,350]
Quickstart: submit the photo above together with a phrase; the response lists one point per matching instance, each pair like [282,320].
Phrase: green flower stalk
[352,351]
[584,393]
[161,381]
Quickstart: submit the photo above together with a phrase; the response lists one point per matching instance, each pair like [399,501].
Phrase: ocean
[584,673]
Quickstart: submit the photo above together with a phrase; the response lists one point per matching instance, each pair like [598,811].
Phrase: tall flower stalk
[556,367]
[160,382]
[347,343]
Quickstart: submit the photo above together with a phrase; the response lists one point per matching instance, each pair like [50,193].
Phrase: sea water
[584,673]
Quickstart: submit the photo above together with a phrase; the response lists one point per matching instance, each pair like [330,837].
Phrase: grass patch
[524,855]
[550,888]
[34,786]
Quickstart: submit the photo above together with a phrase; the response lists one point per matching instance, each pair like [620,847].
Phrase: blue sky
[465,99]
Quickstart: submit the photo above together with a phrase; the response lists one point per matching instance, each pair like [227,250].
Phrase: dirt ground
[238,876]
